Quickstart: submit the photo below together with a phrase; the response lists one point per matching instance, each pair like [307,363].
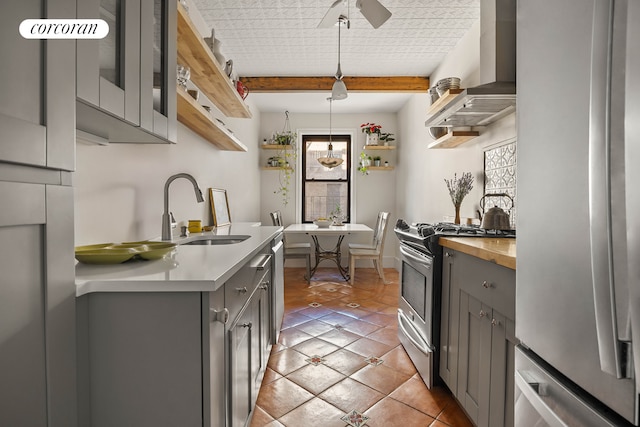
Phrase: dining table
[338,231]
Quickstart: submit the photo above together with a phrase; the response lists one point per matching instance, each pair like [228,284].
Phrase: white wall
[119,188]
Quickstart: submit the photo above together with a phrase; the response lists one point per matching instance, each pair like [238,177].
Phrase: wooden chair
[294,250]
[373,251]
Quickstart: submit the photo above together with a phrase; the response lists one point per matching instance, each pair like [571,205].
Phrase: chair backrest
[276,218]
[381,230]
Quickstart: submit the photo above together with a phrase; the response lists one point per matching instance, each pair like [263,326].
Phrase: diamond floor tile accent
[339,356]
[355,419]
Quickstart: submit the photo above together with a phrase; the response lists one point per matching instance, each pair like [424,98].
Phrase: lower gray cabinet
[478,337]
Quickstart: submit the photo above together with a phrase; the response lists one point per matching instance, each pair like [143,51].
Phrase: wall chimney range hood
[496,96]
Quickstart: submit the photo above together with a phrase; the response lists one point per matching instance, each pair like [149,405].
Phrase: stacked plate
[444,85]
[111,253]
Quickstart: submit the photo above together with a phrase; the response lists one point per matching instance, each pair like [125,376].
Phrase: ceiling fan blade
[374,12]
[332,15]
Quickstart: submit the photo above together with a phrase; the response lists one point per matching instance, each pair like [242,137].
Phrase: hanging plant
[288,156]
[365,162]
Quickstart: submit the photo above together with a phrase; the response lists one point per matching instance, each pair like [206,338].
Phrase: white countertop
[190,268]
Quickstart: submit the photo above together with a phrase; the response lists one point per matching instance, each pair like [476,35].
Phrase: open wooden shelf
[379,147]
[446,98]
[276,147]
[276,168]
[206,74]
[453,138]
[196,118]
[380,168]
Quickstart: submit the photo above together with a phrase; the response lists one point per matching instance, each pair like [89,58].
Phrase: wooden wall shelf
[379,147]
[276,168]
[453,139]
[276,147]
[196,118]
[446,98]
[380,168]
[206,74]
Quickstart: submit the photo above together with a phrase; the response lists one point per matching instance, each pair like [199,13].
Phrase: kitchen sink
[218,240]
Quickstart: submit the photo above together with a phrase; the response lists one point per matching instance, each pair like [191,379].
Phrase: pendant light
[339,90]
[330,161]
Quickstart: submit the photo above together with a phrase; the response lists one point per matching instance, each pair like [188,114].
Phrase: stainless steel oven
[419,310]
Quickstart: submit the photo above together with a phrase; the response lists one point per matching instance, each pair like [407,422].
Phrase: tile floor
[339,362]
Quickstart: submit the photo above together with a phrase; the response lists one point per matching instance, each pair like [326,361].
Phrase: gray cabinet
[126,82]
[478,337]
[37,294]
[175,358]
[249,337]
[449,321]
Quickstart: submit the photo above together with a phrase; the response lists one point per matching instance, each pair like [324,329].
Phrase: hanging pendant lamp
[339,90]
[330,161]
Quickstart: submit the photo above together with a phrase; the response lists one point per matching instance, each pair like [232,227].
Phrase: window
[324,189]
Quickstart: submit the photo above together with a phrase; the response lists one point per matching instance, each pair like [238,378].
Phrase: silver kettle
[495,218]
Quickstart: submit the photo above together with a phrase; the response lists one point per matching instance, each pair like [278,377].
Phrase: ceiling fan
[372,10]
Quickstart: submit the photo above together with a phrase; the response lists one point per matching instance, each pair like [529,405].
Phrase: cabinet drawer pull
[448,254]
[242,290]
[486,285]
[264,286]
[247,325]
[495,322]
[221,316]
[482,313]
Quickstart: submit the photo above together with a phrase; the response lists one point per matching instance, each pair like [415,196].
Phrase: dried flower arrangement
[459,188]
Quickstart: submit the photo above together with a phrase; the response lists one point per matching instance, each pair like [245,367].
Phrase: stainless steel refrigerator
[578,245]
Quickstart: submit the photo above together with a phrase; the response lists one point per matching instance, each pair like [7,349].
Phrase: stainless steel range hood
[496,96]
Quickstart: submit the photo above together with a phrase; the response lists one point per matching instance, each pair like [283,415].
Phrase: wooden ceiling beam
[355,84]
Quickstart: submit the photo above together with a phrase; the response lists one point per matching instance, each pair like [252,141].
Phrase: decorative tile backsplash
[500,177]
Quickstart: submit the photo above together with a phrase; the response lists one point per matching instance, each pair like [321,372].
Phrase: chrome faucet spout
[166,217]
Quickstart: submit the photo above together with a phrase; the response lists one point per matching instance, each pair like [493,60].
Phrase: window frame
[346,137]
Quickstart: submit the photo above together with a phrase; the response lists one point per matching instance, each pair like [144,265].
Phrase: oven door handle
[423,260]
[412,334]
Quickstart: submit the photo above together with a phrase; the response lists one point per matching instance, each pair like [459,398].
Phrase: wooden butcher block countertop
[501,251]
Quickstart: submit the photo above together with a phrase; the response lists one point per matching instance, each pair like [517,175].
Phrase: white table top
[333,230]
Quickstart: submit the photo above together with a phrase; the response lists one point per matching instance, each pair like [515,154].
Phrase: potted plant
[365,162]
[377,160]
[386,138]
[372,131]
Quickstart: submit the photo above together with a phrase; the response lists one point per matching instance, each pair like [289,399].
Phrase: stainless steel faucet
[166,218]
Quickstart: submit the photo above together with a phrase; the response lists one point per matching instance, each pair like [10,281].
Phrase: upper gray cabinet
[126,82]
[37,93]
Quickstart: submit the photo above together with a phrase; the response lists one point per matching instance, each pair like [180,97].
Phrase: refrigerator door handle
[600,191]
[632,159]
[531,389]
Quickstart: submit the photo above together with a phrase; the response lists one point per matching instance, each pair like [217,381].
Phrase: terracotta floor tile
[336,319]
[399,360]
[293,319]
[281,396]
[373,305]
[355,312]
[270,375]
[345,361]
[314,413]
[381,378]
[437,423]
[315,327]
[292,336]
[390,412]
[381,319]
[315,347]
[349,394]
[361,327]
[415,394]
[387,336]
[315,378]
[260,418]
[315,313]
[453,415]
[287,361]
[391,311]
[367,347]
[339,337]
